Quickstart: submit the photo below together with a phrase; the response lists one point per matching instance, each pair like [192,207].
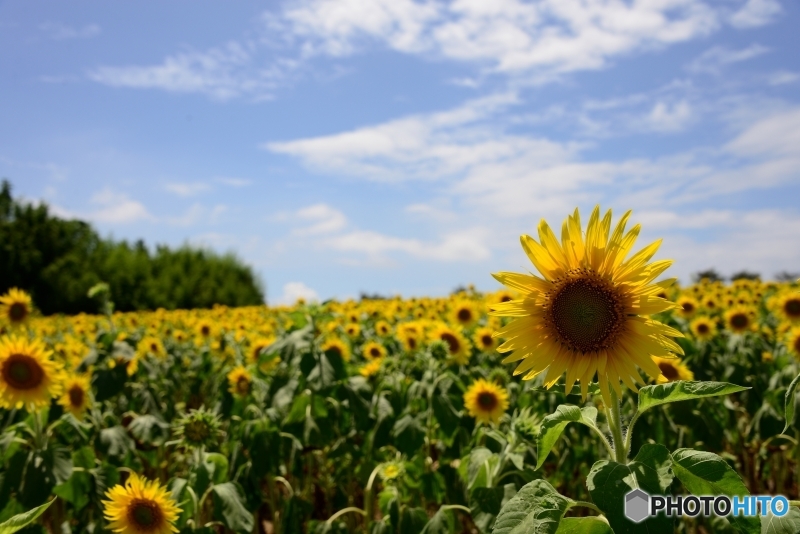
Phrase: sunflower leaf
[554,424]
[20,521]
[537,507]
[656,395]
[583,525]
[788,524]
[789,403]
[705,473]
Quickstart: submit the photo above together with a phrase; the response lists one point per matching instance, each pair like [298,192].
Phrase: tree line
[57,261]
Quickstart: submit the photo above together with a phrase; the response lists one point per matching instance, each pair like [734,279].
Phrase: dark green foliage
[58,260]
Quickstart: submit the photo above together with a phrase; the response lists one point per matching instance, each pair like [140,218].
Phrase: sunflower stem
[615,423]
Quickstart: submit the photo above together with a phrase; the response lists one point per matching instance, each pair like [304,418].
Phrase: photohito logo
[640,505]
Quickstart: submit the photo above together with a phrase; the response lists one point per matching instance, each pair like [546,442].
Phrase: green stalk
[369,511]
[797,461]
[615,423]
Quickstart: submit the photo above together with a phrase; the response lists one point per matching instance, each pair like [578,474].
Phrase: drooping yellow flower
[589,313]
[703,328]
[338,346]
[672,369]
[486,401]
[28,376]
[15,306]
[140,507]
[373,351]
[76,396]
[458,346]
[370,369]
[239,381]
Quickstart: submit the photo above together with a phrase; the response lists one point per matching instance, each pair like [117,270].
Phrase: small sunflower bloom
[140,507]
[370,369]
[15,306]
[28,376]
[486,401]
[703,328]
[240,381]
[672,369]
[76,398]
[458,347]
[740,319]
[336,345]
[373,351]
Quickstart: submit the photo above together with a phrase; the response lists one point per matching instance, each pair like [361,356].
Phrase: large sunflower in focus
[588,313]
[15,306]
[140,507]
[28,377]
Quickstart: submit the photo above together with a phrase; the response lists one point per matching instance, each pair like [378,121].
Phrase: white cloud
[296,290]
[783,77]
[713,59]
[117,208]
[220,73]
[324,219]
[233,182]
[59,31]
[669,118]
[430,212]
[187,189]
[468,245]
[755,13]
[776,135]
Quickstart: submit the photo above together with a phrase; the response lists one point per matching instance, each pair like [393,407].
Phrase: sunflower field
[533,409]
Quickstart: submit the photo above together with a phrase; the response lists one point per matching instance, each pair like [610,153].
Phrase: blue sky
[400,146]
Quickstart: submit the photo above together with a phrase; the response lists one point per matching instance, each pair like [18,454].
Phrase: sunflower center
[452,342]
[739,321]
[668,370]
[586,313]
[797,344]
[505,298]
[145,515]
[17,312]
[205,330]
[243,384]
[688,307]
[487,400]
[22,372]
[703,328]
[487,340]
[412,343]
[464,315]
[76,396]
[196,431]
[374,352]
[792,308]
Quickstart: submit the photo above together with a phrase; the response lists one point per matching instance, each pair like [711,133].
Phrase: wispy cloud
[187,189]
[469,245]
[59,31]
[714,59]
[117,208]
[755,13]
[323,219]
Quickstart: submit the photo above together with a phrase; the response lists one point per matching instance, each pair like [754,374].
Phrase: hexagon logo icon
[637,504]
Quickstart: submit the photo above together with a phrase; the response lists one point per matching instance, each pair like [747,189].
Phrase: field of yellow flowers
[404,415]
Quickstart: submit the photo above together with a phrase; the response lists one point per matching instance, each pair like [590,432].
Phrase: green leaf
[412,520]
[788,524]
[43,471]
[656,395]
[555,423]
[446,414]
[219,471]
[609,481]
[230,509]
[479,466]
[584,525]
[486,503]
[441,523]
[788,403]
[115,441]
[705,473]
[22,520]
[409,434]
[108,383]
[536,508]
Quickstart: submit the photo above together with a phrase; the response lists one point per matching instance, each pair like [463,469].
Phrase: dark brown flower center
[17,312]
[487,400]
[452,342]
[668,370]
[464,315]
[76,396]
[145,515]
[688,307]
[243,384]
[792,308]
[205,330]
[412,343]
[703,329]
[505,298]
[20,371]
[585,312]
[739,321]
[487,340]
[196,431]
[374,352]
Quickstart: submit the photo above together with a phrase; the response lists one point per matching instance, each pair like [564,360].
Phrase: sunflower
[410,335]
[788,306]
[353,329]
[151,345]
[140,507]
[382,328]
[486,401]
[257,345]
[688,306]
[793,341]
[588,315]
[204,330]
[740,319]
[239,381]
[703,328]
[15,306]
[483,338]
[338,346]
[458,347]
[373,351]
[672,369]
[464,313]
[28,376]
[370,369]
[76,396]
[198,429]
